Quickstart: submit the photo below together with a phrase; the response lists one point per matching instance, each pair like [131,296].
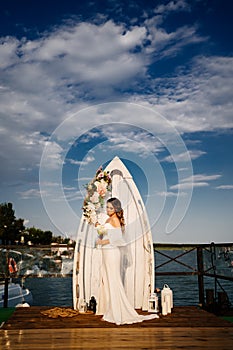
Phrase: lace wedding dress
[114,304]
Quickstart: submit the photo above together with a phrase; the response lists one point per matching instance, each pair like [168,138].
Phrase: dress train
[117,307]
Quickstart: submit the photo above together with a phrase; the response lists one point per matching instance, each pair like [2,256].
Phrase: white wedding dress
[114,304]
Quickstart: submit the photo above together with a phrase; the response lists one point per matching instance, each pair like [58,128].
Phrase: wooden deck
[185,328]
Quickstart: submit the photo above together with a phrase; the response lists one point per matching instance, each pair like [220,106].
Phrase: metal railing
[213,261]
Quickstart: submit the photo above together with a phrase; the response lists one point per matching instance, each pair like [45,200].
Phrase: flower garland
[96,192]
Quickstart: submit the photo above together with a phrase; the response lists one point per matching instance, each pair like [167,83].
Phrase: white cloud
[184,157]
[224,187]
[87,160]
[199,99]
[81,64]
[69,188]
[202,177]
[197,180]
[20,154]
[88,53]
[70,196]
[8,51]
[41,84]
[166,45]
[172,6]
[32,193]
[74,196]
[171,194]
[50,184]
[128,137]
[84,178]
[188,185]
[54,155]
[75,65]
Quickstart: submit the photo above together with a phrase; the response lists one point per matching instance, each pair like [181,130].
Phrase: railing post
[200,276]
[5,302]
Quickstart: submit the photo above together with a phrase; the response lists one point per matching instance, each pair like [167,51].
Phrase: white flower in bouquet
[89,187]
[90,207]
[97,206]
[102,231]
[93,217]
[101,187]
[96,194]
[95,198]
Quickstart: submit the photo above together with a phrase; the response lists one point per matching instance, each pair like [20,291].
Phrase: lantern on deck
[153,303]
[92,305]
[82,306]
[166,300]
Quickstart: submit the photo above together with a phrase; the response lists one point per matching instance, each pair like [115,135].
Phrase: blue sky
[149,81]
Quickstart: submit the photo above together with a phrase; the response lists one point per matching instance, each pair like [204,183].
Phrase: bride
[115,307]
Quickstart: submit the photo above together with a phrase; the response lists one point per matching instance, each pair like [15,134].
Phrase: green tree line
[13,231]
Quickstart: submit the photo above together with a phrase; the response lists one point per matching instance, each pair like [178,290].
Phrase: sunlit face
[110,209]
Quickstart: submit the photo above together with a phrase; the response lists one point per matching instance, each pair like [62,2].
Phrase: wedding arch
[137,257]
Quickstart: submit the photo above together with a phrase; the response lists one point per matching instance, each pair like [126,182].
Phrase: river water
[54,291]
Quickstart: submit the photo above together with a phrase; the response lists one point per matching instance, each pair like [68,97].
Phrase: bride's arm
[102,241]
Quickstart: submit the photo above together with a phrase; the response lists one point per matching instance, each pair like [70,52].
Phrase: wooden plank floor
[118,338]
[32,318]
[185,328]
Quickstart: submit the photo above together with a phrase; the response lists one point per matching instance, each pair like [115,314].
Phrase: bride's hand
[99,242]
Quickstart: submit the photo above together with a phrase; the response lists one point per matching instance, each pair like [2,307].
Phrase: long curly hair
[118,210]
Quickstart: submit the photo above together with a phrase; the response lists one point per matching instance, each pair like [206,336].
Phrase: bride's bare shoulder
[114,222]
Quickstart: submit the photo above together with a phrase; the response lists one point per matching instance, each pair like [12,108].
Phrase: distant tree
[60,240]
[47,237]
[19,229]
[10,227]
[12,230]
[57,239]
[37,236]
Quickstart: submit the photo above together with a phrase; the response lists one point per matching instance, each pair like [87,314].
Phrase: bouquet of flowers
[97,190]
[102,231]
